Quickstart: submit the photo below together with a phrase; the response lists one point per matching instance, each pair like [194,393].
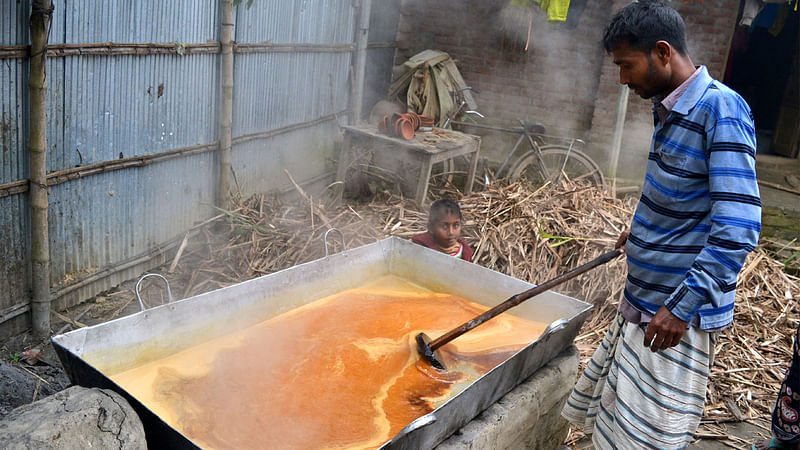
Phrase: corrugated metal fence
[133,99]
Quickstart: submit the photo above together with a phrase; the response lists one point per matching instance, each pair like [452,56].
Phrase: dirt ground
[24,379]
[22,382]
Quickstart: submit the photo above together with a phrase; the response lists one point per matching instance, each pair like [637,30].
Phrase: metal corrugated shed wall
[276,90]
[108,227]
[384,17]
[14,22]
[102,108]
[296,21]
[120,111]
[14,217]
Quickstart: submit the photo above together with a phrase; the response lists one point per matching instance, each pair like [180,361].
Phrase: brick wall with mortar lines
[554,82]
[709,27]
[565,80]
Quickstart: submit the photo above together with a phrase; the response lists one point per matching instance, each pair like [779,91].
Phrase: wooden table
[408,162]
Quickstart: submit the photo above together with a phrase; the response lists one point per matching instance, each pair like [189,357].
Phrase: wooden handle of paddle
[521,297]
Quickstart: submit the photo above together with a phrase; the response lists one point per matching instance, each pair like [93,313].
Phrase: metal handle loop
[418,423]
[556,325]
[325,238]
[166,282]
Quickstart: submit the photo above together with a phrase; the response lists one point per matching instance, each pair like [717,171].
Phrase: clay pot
[384,108]
[414,120]
[397,128]
[426,121]
[383,125]
[406,129]
[394,129]
[407,116]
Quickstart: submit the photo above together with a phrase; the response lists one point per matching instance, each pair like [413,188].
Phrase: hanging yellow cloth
[556,9]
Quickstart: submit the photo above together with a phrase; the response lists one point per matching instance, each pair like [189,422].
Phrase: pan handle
[325,239]
[556,325]
[166,282]
[418,423]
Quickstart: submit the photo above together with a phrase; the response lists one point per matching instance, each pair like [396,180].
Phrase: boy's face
[446,230]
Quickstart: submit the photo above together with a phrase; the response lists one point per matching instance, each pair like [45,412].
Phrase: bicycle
[547,159]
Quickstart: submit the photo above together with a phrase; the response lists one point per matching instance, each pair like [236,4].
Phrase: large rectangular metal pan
[91,354]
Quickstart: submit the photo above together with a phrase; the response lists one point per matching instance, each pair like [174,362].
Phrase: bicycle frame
[534,148]
[455,96]
[524,135]
[536,140]
[521,130]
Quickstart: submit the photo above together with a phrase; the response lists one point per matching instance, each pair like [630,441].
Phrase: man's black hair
[642,24]
[442,207]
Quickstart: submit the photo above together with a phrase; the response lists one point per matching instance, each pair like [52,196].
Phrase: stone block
[528,417]
[76,417]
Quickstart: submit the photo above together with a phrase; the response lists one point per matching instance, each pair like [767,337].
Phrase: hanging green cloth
[425,83]
[556,9]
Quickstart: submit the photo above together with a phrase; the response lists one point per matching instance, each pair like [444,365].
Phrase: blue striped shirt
[700,211]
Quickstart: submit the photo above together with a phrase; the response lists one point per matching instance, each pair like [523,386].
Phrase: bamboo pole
[226,105]
[362,41]
[619,127]
[178,48]
[74,173]
[112,49]
[41,11]
[271,47]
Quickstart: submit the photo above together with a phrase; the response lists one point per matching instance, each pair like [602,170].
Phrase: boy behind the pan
[444,231]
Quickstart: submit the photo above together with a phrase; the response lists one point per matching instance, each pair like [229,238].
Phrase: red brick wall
[564,80]
[553,83]
[709,27]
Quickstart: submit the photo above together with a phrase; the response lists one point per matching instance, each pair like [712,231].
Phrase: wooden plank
[14,311]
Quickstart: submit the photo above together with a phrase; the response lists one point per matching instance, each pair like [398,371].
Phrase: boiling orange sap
[340,372]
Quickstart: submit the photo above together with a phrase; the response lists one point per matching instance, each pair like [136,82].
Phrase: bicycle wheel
[578,167]
[442,173]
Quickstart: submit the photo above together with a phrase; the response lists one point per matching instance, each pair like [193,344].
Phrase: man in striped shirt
[698,217]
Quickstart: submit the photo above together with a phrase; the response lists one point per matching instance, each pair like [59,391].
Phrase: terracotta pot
[408,117]
[414,120]
[397,129]
[406,129]
[385,108]
[383,125]
[426,121]
[394,129]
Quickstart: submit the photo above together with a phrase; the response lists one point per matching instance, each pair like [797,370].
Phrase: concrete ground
[779,184]
[775,170]
[746,433]
[770,169]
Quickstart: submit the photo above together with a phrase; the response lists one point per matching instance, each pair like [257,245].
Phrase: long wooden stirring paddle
[428,349]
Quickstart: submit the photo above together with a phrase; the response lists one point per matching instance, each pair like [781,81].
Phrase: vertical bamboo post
[37,150]
[362,39]
[226,105]
[619,128]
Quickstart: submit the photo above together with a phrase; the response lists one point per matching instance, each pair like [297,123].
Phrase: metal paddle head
[425,350]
